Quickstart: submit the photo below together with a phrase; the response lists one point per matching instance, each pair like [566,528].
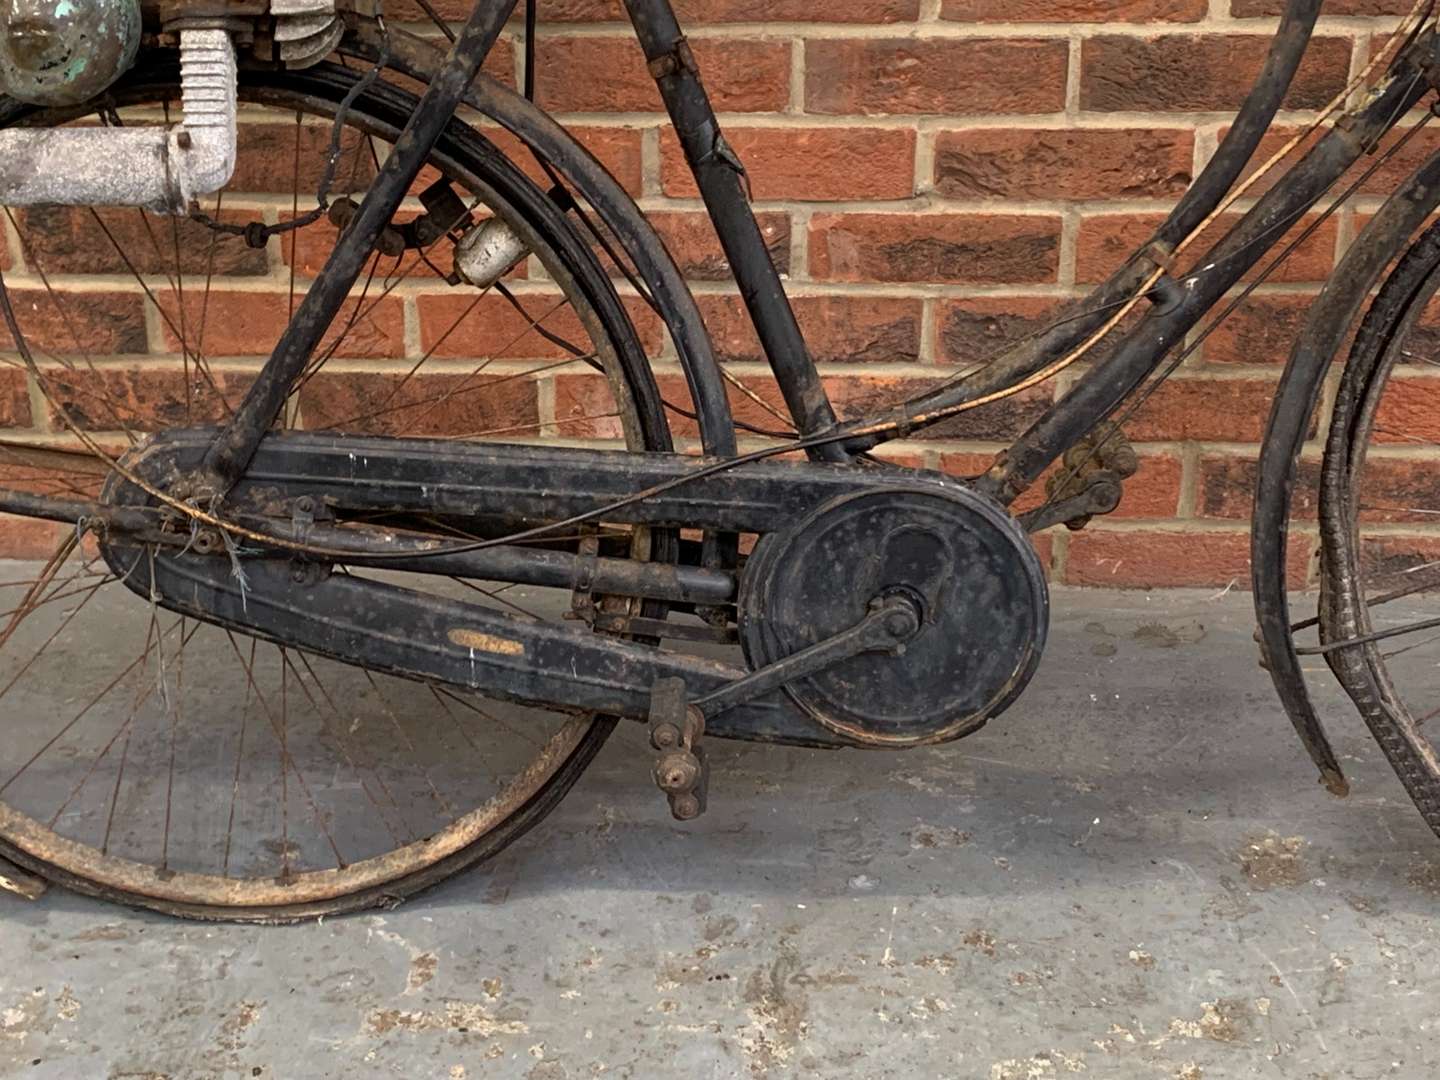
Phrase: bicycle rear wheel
[159,762]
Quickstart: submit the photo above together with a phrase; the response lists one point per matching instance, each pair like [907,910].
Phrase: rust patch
[1160,636]
[982,940]
[937,836]
[108,932]
[1274,862]
[1226,1020]
[778,1012]
[422,970]
[724,926]
[1425,875]
[482,642]
[232,1031]
[462,1017]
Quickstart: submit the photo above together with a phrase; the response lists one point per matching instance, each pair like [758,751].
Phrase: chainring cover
[969,564]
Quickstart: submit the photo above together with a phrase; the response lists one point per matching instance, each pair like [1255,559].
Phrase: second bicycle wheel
[158,761]
[1380,510]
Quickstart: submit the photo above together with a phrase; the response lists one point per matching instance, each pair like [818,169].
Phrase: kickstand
[17,881]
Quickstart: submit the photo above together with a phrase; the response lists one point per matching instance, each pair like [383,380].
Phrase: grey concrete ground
[1131,874]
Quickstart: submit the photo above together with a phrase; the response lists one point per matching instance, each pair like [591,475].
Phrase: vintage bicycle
[359,640]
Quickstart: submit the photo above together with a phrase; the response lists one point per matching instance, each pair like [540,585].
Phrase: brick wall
[936,177]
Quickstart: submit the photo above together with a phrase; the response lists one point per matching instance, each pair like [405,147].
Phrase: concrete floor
[1131,874]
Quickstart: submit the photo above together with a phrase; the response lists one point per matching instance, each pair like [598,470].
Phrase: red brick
[470,326]
[1421,349]
[617,148]
[249,324]
[1270,143]
[1409,410]
[744,408]
[1171,559]
[1107,240]
[585,406]
[602,74]
[309,246]
[956,76]
[455,405]
[837,328]
[283,158]
[1389,172]
[864,396]
[812,165]
[1067,11]
[1063,164]
[14,398]
[969,463]
[690,238]
[1199,72]
[150,399]
[1153,492]
[967,249]
[1398,490]
[69,240]
[80,324]
[1260,331]
[29,538]
[1210,410]
[1389,562]
[1392,490]
[1244,9]
[1227,487]
[726,11]
[977,330]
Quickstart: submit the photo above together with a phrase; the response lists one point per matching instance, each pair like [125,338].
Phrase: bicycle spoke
[337,733]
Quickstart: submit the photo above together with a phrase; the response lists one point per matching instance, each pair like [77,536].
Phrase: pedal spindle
[681,769]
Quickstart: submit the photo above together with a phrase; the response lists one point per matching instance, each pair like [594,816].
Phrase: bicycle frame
[709,499]
[1177,306]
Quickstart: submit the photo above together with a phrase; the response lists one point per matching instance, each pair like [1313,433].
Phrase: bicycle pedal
[682,770]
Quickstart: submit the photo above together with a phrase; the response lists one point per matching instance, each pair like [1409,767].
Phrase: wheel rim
[1382,572]
[288,880]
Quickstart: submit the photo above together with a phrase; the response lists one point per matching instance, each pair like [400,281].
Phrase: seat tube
[721,179]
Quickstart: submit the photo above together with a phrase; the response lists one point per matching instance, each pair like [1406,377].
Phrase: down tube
[720,177]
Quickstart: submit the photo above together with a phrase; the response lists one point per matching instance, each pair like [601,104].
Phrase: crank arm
[890,623]
[434,639]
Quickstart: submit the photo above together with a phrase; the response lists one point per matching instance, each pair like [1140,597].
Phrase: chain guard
[970,566]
